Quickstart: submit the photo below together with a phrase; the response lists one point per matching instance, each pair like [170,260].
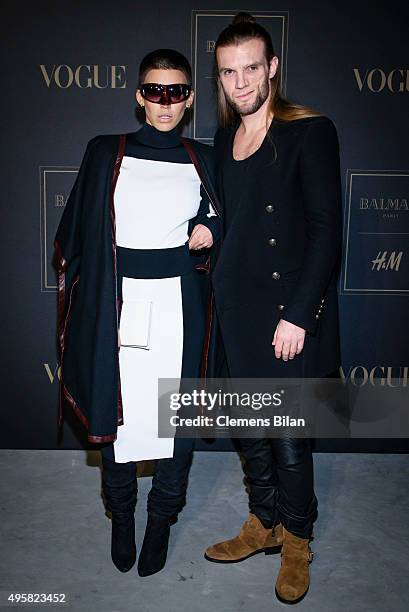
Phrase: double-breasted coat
[280,252]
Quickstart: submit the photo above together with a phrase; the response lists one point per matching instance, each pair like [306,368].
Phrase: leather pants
[279,473]
[169,483]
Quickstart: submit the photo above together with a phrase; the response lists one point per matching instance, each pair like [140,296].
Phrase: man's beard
[261,97]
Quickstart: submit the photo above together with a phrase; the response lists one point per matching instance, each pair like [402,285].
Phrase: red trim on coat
[63,319]
[62,324]
[84,420]
[62,344]
[62,264]
[117,169]
[120,420]
[209,318]
[196,164]
[206,266]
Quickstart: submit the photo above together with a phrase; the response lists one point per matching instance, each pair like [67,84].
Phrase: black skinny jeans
[169,483]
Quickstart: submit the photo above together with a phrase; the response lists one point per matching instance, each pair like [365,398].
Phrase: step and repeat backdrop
[69,72]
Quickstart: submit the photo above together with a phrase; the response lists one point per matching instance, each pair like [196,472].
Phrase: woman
[131,301]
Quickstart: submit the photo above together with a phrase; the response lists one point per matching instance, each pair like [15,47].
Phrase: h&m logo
[377,80]
[84,76]
[386,261]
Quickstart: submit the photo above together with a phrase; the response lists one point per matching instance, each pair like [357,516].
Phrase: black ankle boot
[119,485]
[123,546]
[154,550]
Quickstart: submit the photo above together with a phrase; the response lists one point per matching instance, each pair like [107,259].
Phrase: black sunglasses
[165,94]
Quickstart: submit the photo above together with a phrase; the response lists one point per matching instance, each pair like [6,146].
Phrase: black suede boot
[154,550]
[119,485]
[123,545]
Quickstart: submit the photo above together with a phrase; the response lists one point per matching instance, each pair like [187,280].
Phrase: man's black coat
[279,255]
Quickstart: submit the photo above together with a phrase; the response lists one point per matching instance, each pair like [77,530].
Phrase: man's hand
[201,237]
[288,340]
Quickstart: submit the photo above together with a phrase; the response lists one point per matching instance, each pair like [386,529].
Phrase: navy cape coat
[85,248]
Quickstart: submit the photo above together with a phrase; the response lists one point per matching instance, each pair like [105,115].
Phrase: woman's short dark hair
[169,59]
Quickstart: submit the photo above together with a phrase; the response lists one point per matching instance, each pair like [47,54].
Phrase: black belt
[154,263]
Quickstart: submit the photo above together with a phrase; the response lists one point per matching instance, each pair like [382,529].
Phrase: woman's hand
[201,237]
[288,340]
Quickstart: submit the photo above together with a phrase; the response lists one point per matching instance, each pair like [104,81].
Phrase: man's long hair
[242,29]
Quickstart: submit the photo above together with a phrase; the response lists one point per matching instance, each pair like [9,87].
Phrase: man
[274,282]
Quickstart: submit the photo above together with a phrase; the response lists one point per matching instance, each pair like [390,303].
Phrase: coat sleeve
[207,216]
[67,243]
[321,187]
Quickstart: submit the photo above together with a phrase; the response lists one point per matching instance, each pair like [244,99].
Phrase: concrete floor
[55,537]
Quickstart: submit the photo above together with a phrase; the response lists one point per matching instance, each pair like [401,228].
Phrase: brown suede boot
[252,539]
[294,577]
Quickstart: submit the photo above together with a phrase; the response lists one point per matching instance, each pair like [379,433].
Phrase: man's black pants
[279,473]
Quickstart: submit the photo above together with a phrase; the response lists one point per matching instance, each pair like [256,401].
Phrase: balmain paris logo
[377,80]
[55,186]
[389,208]
[376,239]
[84,76]
[60,200]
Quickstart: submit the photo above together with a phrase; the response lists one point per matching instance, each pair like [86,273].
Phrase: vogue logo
[52,374]
[84,76]
[377,80]
[377,376]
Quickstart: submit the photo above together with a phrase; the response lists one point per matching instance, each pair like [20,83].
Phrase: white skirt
[140,368]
